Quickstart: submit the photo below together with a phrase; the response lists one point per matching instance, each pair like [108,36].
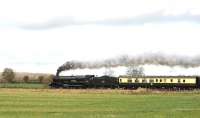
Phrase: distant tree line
[8,75]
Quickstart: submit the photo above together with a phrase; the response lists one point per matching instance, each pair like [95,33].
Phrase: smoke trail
[150,58]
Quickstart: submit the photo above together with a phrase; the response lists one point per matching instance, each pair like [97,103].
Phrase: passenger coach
[159,81]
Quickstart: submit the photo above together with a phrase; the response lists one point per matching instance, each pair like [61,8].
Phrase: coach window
[156,80]
[143,80]
[179,80]
[136,80]
[73,81]
[183,81]
[151,81]
[129,80]
[160,80]
[171,80]
[120,80]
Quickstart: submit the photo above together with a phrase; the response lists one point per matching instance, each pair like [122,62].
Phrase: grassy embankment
[46,103]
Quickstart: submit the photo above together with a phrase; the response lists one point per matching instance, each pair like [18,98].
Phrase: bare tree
[26,78]
[135,71]
[48,79]
[41,78]
[8,74]
[108,72]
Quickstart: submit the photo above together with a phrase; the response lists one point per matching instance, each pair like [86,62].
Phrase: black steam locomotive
[129,82]
[84,81]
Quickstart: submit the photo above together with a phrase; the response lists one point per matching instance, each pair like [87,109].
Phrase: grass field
[24,85]
[46,103]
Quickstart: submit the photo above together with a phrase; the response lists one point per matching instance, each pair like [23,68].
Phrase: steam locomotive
[127,82]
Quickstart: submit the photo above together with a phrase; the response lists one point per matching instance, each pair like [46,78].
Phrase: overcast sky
[40,35]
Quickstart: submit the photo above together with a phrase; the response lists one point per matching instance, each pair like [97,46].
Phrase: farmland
[24,85]
[41,103]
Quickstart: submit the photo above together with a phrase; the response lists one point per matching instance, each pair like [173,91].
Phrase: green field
[45,103]
[24,85]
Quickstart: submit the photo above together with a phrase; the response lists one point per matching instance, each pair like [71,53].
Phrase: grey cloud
[53,23]
[155,17]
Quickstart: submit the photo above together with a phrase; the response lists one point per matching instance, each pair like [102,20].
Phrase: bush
[26,78]
[8,74]
[48,79]
[41,78]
